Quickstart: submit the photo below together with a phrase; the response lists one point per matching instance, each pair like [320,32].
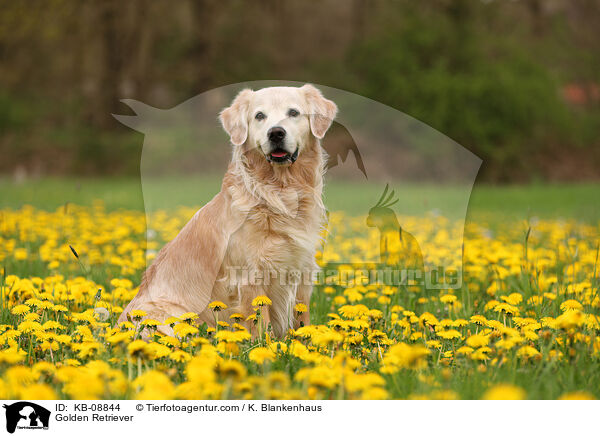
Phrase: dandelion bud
[74,252]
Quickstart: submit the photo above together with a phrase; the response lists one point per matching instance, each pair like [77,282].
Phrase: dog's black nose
[276,134]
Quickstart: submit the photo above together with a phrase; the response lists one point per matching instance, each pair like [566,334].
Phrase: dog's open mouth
[280,155]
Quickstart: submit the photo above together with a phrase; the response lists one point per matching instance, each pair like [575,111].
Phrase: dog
[262,227]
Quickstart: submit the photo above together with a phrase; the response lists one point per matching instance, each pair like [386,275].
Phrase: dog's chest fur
[276,240]
[272,250]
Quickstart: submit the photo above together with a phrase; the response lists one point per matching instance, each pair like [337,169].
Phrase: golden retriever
[259,234]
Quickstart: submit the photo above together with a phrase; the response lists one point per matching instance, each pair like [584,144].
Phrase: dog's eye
[293,113]
[260,116]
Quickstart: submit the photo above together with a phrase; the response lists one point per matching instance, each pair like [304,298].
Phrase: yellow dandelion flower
[171,321]
[188,316]
[506,308]
[20,309]
[169,341]
[137,314]
[217,306]
[261,355]
[504,392]
[465,350]
[126,325]
[232,368]
[571,305]
[39,391]
[300,308]
[30,326]
[449,334]
[154,350]
[136,348]
[12,356]
[236,317]
[570,319]
[179,356]
[261,300]
[577,396]
[479,320]
[120,337]
[448,298]
[154,385]
[433,343]
[53,325]
[59,308]
[477,341]
[152,323]
[528,352]
[182,330]
[513,299]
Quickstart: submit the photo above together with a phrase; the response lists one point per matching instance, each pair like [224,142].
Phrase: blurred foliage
[435,67]
[515,82]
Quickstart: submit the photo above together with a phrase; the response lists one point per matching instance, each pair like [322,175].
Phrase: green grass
[518,202]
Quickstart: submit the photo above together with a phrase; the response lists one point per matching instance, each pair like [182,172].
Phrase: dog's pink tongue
[278,153]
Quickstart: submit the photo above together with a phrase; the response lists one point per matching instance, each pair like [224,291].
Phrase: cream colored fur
[266,218]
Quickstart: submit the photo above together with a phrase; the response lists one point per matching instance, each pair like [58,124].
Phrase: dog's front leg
[260,324]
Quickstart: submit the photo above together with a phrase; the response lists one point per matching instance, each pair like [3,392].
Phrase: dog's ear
[322,111]
[235,118]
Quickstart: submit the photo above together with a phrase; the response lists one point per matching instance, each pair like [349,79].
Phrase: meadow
[524,324]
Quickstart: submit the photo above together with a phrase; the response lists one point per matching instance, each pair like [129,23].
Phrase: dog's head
[278,121]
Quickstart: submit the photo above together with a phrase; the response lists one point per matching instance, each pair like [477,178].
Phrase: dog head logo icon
[26,415]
